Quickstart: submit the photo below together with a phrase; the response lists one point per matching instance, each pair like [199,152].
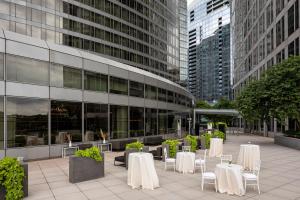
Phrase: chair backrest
[186,148]
[202,169]
[226,158]
[205,153]
[165,153]
[256,169]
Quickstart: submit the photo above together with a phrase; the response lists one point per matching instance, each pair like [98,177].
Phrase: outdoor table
[249,156]
[185,162]
[216,147]
[229,179]
[141,171]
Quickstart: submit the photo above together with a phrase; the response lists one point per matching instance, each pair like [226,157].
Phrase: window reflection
[95,81]
[62,76]
[118,86]
[136,89]
[95,121]
[136,122]
[118,121]
[27,122]
[65,122]
[151,121]
[162,122]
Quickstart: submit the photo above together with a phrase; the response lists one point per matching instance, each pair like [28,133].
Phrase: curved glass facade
[144,34]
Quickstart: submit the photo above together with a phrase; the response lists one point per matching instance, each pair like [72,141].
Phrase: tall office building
[209,49]
[144,34]
[49,91]
[265,32]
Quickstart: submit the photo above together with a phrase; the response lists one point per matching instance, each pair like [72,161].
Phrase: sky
[189,1]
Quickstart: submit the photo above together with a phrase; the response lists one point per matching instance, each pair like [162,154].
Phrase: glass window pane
[20,69]
[72,78]
[162,122]
[118,85]
[170,97]
[1,65]
[95,81]
[162,94]
[151,121]
[136,89]
[151,92]
[118,121]
[66,122]
[57,75]
[95,121]
[136,122]
[27,122]
[171,123]
[1,122]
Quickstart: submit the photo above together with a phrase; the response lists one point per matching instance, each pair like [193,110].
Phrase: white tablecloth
[249,155]
[185,162]
[229,179]
[216,147]
[141,171]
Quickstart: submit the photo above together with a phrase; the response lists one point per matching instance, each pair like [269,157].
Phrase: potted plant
[13,179]
[171,147]
[192,141]
[133,147]
[86,165]
[103,136]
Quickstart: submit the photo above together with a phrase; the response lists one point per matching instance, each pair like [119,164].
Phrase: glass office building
[266,32]
[48,91]
[143,33]
[209,49]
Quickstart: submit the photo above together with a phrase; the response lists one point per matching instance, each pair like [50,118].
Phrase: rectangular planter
[25,183]
[84,169]
[287,142]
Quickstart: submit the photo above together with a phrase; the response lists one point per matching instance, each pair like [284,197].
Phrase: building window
[95,121]
[1,122]
[280,31]
[136,89]
[162,122]
[27,70]
[171,122]
[62,76]
[66,122]
[118,121]
[151,121]
[170,97]
[162,94]
[136,123]
[95,81]
[1,66]
[151,92]
[27,122]
[118,86]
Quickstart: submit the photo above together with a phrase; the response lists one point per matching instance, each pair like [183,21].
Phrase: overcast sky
[189,1]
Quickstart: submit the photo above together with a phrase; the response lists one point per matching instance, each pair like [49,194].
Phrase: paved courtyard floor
[280,178]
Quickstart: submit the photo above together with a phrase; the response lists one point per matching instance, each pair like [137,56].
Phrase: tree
[224,103]
[203,104]
[276,94]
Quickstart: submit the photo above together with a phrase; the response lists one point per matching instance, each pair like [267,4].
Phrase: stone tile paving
[280,178]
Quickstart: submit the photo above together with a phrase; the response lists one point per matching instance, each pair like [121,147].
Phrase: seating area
[48,179]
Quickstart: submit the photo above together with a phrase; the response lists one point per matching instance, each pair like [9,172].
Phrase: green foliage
[92,153]
[172,147]
[203,104]
[291,133]
[193,142]
[276,94]
[214,134]
[135,145]
[11,178]
[224,103]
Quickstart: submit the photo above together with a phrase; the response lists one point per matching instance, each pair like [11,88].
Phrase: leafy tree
[203,104]
[224,103]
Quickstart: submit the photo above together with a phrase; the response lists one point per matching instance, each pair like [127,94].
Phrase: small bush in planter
[193,142]
[92,153]
[172,147]
[11,178]
[215,134]
[135,145]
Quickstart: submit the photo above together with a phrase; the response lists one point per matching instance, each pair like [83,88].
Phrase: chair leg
[245,182]
[258,187]
[202,182]
[216,186]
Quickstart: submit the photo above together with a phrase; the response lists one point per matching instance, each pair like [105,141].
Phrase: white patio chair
[210,177]
[186,148]
[252,178]
[169,161]
[201,162]
[226,159]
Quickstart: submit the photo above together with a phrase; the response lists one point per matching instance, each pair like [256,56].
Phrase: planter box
[84,169]
[287,142]
[25,183]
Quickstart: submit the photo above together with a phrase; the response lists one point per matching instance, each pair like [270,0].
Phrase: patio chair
[169,161]
[201,162]
[210,177]
[186,148]
[252,178]
[226,158]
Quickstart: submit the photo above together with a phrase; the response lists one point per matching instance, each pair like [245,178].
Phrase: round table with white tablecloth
[216,147]
[185,162]
[141,171]
[229,179]
[249,156]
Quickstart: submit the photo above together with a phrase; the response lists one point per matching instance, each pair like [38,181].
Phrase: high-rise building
[116,81]
[209,49]
[144,34]
[265,32]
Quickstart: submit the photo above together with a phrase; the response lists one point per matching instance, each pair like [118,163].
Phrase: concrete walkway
[280,178]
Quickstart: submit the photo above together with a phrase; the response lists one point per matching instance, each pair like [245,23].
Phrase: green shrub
[11,178]
[92,153]
[292,133]
[172,147]
[214,134]
[193,142]
[135,145]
